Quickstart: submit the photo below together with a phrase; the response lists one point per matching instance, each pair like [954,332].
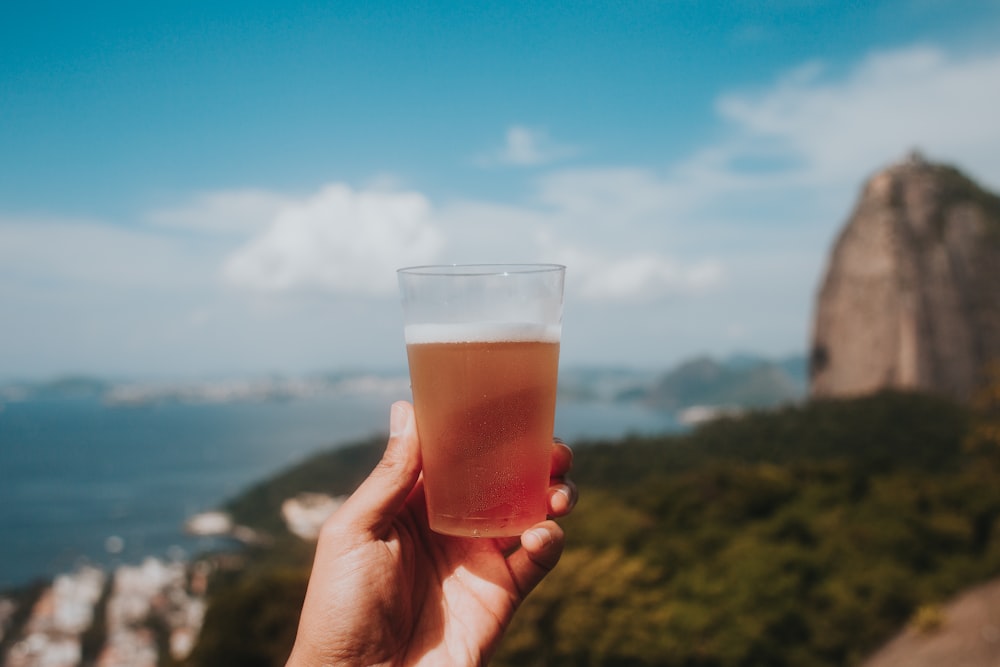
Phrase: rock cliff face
[967,635]
[911,296]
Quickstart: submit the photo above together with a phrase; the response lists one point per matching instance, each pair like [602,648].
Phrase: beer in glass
[483,348]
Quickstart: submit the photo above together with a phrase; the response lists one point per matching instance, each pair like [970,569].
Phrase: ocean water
[82,481]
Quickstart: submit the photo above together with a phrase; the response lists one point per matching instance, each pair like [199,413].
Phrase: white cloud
[338,240]
[224,212]
[525,146]
[608,226]
[645,277]
[637,277]
[94,254]
[614,195]
[350,242]
[829,128]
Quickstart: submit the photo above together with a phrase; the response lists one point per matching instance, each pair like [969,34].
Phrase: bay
[83,481]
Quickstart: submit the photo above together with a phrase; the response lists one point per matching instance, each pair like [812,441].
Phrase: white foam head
[482,332]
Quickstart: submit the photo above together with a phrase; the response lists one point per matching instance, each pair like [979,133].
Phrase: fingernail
[398,419]
[564,491]
[537,538]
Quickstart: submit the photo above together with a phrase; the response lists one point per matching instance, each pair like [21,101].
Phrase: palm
[461,591]
[385,589]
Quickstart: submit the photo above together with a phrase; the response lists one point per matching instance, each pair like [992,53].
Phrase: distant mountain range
[738,382]
[224,390]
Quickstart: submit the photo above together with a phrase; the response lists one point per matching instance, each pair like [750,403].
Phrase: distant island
[738,382]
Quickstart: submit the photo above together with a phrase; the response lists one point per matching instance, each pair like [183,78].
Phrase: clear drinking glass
[483,349]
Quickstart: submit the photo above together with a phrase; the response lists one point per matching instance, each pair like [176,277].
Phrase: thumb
[541,547]
[382,495]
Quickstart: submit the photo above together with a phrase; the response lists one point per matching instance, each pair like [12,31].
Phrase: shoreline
[136,613]
[107,618]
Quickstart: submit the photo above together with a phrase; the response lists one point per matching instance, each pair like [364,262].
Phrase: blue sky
[196,188]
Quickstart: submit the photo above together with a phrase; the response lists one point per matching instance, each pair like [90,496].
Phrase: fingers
[562,493]
[542,545]
[562,498]
[562,458]
[381,496]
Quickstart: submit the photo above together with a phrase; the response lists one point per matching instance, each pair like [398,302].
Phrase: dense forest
[805,536]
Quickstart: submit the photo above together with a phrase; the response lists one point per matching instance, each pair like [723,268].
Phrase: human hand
[386,590]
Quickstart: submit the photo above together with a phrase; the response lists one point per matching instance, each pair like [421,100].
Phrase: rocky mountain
[965,632]
[911,296]
[739,382]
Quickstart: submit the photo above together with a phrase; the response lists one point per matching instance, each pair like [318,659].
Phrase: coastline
[122,617]
[135,615]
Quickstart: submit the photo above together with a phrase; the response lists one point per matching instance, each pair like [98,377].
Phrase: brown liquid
[485,414]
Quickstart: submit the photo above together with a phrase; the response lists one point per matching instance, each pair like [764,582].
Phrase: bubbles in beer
[482,332]
[485,399]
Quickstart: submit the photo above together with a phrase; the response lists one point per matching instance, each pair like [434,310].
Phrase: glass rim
[459,270]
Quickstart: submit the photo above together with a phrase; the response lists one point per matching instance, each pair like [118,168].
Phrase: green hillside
[743,382]
[801,537]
